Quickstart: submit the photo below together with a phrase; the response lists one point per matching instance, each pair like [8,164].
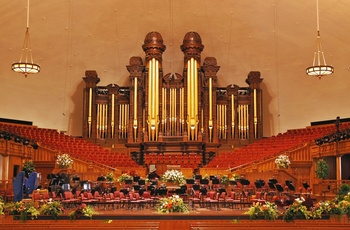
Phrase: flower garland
[174,176]
[282,161]
[64,161]
[172,204]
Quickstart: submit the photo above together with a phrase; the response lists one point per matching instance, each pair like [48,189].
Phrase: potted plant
[321,169]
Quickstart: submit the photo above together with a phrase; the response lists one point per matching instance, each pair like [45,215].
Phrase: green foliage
[172,204]
[343,191]
[110,177]
[52,208]
[321,169]
[22,209]
[82,210]
[267,211]
[29,167]
[296,210]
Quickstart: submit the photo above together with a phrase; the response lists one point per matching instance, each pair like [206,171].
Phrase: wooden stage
[197,219]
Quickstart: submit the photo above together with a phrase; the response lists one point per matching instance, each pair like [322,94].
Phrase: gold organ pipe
[188,97]
[90,111]
[97,119]
[149,118]
[126,119]
[135,104]
[106,123]
[225,120]
[232,116]
[240,120]
[119,121]
[156,97]
[210,99]
[255,115]
[112,117]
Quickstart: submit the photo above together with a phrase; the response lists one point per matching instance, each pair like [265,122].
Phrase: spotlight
[35,145]
[26,142]
[18,139]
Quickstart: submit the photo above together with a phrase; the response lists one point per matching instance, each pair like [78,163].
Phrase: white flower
[64,160]
[282,161]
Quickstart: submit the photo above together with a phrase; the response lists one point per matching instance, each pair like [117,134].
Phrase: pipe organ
[172,112]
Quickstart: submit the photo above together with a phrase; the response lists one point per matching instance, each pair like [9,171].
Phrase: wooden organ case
[172,113]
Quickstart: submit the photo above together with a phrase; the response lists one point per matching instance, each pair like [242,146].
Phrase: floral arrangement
[122,178]
[29,166]
[266,211]
[235,177]
[2,206]
[326,207]
[321,169]
[82,210]
[345,205]
[110,176]
[174,176]
[52,208]
[23,210]
[296,209]
[64,161]
[224,179]
[172,204]
[282,161]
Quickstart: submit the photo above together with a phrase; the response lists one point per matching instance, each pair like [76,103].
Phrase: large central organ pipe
[153,99]
[192,98]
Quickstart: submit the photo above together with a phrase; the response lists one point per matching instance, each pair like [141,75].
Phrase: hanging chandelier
[26,65]
[319,67]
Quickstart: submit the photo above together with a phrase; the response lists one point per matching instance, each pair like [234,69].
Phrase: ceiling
[275,37]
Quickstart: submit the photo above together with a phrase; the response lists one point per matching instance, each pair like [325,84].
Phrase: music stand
[196,187]
[257,185]
[290,185]
[244,181]
[142,182]
[128,181]
[279,188]
[233,182]
[101,178]
[204,181]
[189,181]
[198,177]
[216,181]
[306,185]
[136,187]
[273,180]
[136,178]
[271,185]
